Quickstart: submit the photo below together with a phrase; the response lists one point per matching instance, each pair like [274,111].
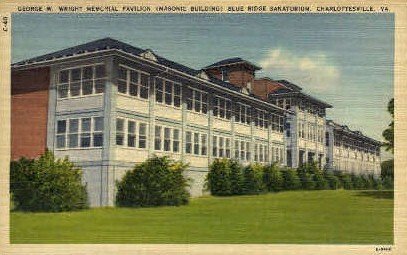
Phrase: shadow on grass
[379,194]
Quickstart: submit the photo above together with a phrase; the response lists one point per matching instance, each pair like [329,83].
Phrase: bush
[345,180]
[357,181]
[236,178]
[307,181]
[253,179]
[377,184]
[218,180]
[47,184]
[367,181]
[291,181]
[320,182]
[157,181]
[333,181]
[388,182]
[272,178]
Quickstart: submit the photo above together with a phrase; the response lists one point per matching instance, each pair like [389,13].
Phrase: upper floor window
[80,132]
[81,81]
[222,107]
[167,92]
[225,75]
[243,113]
[133,82]
[260,118]
[197,101]
[277,123]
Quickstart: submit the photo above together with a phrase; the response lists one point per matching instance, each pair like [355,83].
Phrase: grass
[300,217]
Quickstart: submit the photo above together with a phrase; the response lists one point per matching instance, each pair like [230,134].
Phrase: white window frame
[128,82]
[94,81]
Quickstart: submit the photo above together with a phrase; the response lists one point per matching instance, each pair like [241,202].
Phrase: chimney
[236,71]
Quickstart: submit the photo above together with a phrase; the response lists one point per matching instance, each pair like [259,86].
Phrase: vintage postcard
[226,127]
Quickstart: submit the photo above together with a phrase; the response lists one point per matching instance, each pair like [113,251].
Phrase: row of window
[311,132]
[132,133]
[79,133]
[81,81]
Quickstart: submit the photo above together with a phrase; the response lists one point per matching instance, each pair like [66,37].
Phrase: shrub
[155,182]
[367,181]
[377,183]
[388,182]
[307,180]
[218,179]
[333,181]
[346,181]
[320,182]
[357,181]
[291,181]
[236,178]
[253,179]
[272,178]
[47,184]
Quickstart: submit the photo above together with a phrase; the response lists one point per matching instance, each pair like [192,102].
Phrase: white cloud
[313,71]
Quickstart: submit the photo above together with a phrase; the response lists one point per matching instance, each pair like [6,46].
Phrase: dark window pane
[100,71]
[63,91]
[144,79]
[64,76]
[73,125]
[133,89]
[122,73]
[99,86]
[75,74]
[60,141]
[87,87]
[134,76]
[144,92]
[73,141]
[75,89]
[168,98]
[98,140]
[87,73]
[85,140]
[85,124]
[61,126]
[121,86]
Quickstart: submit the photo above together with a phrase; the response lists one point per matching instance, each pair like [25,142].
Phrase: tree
[387,168]
[388,134]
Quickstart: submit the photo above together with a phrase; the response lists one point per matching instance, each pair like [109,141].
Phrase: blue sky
[344,59]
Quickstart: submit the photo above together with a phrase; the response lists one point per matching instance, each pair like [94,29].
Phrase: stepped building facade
[108,105]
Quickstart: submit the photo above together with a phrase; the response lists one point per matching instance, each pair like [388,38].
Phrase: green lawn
[306,217]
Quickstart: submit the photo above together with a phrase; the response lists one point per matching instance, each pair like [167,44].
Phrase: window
[236,149]
[197,101]
[81,81]
[277,123]
[157,138]
[222,107]
[61,133]
[225,75]
[248,151]
[242,151]
[243,113]
[131,133]
[119,131]
[256,153]
[85,134]
[221,147]
[167,92]
[227,147]
[196,144]
[132,82]
[215,146]
[73,135]
[188,142]
[204,142]
[142,139]
[176,141]
[97,132]
[260,118]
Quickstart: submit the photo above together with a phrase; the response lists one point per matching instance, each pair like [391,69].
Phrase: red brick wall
[238,75]
[262,87]
[29,111]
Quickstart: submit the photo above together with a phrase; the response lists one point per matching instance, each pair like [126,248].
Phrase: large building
[108,105]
